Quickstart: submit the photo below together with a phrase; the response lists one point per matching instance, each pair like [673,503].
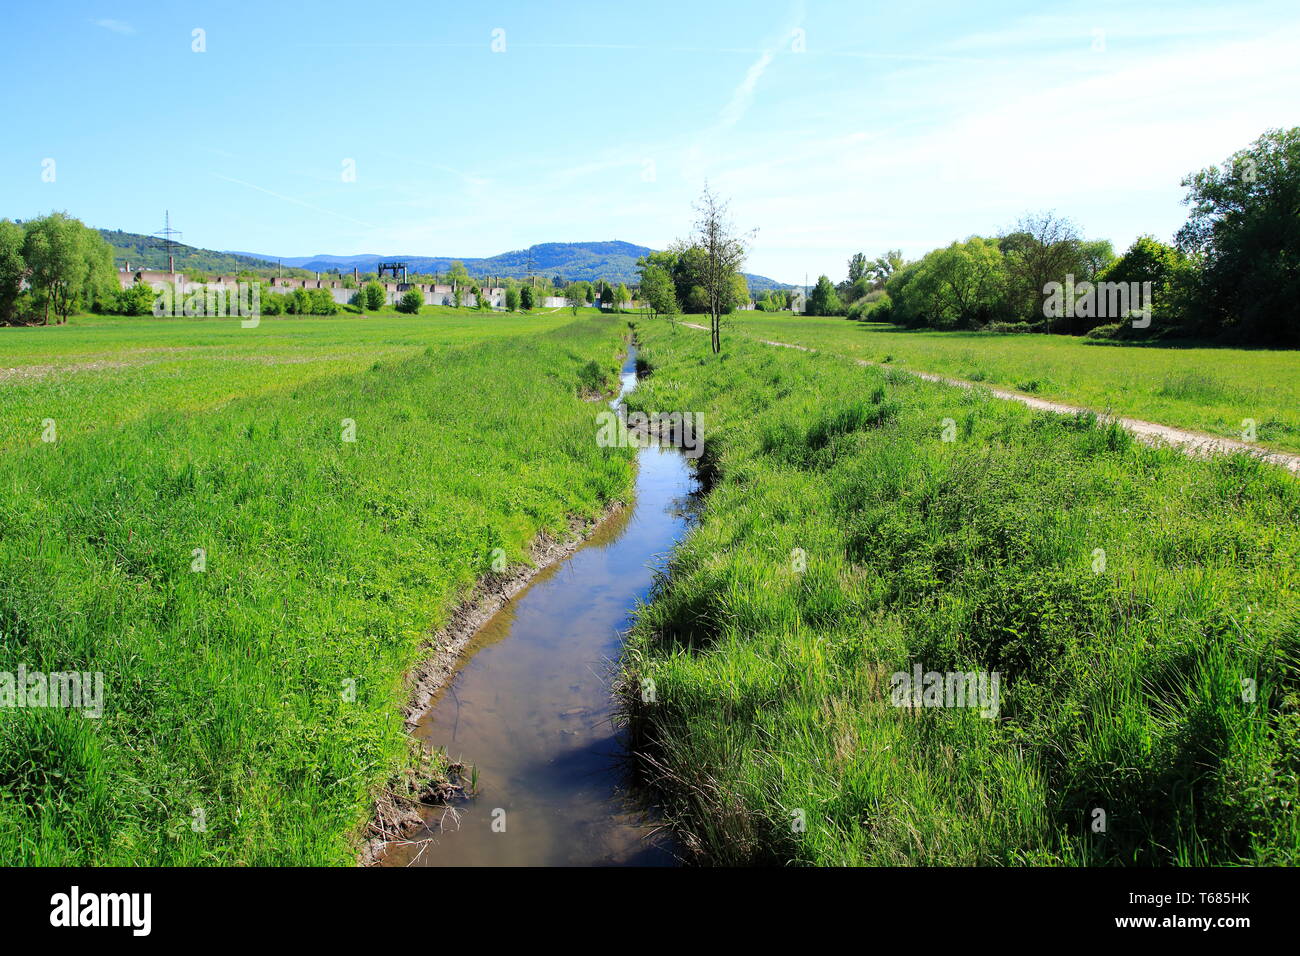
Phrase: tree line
[1232,272]
[52,267]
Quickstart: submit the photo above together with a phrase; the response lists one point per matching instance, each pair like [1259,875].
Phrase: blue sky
[832,127]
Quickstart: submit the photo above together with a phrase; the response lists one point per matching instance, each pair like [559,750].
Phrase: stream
[530,707]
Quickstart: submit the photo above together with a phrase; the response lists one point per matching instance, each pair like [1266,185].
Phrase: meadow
[1206,389]
[251,534]
[1140,610]
[101,371]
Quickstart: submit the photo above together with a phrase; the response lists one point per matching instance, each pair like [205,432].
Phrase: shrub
[1109,331]
[136,299]
[1008,328]
[374,296]
[410,301]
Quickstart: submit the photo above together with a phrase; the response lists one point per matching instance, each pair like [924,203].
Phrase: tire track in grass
[1196,444]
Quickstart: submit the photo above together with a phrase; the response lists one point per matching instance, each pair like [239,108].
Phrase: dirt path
[1152,433]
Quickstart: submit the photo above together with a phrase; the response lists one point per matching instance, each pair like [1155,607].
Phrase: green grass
[1121,686]
[100,371]
[1208,389]
[266,690]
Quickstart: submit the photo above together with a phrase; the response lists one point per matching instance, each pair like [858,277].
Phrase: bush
[1008,328]
[410,301]
[1109,331]
[373,297]
[136,299]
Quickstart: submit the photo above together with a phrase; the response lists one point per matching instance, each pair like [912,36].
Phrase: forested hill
[613,260]
[150,252]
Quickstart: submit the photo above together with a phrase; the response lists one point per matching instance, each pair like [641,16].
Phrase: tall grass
[1205,389]
[253,707]
[844,540]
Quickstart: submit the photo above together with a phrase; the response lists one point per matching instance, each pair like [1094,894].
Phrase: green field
[1210,389]
[1141,608]
[98,370]
[252,706]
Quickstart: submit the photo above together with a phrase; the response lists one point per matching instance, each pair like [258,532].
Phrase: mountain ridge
[613,260]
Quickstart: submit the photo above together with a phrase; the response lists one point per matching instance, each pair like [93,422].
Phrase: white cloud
[116,26]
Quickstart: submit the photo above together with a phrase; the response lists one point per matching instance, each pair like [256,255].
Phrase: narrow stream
[531,709]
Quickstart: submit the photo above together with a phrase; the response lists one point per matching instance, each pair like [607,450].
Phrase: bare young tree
[1042,248]
[724,254]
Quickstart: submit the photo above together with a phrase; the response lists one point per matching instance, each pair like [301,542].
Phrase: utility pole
[168,236]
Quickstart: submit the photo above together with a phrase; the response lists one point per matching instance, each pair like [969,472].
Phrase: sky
[471,129]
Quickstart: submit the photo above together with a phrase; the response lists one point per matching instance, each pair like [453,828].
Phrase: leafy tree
[575,296]
[527,299]
[966,283]
[70,266]
[458,275]
[657,290]
[857,267]
[739,293]
[621,296]
[1170,273]
[581,290]
[885,267]
[1244,228]
[1098,255]
[13,269]
[512,298]
[373,296]
[824,300]
[410,302]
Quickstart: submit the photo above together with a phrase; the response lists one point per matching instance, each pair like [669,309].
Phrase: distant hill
[150,252]
[614,261]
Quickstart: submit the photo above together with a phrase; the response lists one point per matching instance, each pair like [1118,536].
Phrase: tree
[885,266]
[69,266]
[824,300]
[13,270]
[1170,273]
[621,296]
[1098,255]
[512,298]
[657,290]
[575,296]
[373,296]
[724,254]
[1244,228]
[458,275]
[527,300]
[857,267]
[1042,248]
[410,302]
